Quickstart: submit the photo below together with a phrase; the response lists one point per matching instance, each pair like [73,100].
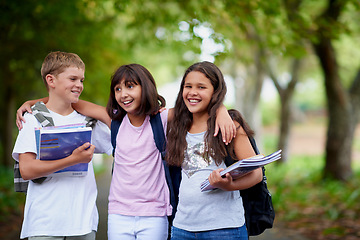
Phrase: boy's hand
[217,181]
[26,107]
[84,153]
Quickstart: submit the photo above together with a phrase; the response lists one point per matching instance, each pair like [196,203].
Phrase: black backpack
[257,202]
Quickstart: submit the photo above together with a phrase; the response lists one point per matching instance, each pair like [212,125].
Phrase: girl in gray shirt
[216,214]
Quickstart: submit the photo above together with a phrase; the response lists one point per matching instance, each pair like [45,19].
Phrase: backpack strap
[156,126]
[42,114]
[172,173]
[159,135]
[115,125]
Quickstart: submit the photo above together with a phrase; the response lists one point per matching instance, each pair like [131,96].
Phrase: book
[57,142]
[243,167]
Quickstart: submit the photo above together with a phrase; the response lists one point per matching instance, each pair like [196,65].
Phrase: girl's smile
[197,92]
[128,95]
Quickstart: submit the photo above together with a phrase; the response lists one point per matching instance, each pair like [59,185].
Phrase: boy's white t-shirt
[61,206]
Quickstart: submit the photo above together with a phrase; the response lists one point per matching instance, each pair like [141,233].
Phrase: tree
[343,105]
[29,31]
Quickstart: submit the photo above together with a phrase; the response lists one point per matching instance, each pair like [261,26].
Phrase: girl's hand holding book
[225,183]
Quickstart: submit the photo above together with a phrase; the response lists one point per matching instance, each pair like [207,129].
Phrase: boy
[60,207]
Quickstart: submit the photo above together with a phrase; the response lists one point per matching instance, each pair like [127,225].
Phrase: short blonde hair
[56,63]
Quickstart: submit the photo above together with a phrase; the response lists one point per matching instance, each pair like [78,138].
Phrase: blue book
[59,142]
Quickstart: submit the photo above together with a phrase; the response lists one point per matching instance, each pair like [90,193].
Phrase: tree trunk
[8,119]
[341,125]
[285,125]
[286,114]
[9,127]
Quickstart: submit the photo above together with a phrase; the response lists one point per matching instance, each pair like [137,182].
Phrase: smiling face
[67,85]
[128,96]
[197,92]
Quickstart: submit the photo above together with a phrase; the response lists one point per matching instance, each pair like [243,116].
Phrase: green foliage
[301,197]
[10,201]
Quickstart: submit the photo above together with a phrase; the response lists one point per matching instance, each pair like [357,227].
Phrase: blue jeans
[223,234]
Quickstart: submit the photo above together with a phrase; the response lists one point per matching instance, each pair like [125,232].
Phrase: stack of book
[243,167]
[58,142]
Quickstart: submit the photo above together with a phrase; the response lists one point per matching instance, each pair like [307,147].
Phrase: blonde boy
[60,207]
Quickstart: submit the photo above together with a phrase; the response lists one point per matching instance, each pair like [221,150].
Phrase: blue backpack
[172,173]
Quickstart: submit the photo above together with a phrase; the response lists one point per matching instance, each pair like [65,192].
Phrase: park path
[103,184]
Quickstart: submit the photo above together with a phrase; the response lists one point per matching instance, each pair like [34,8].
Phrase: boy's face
[68,85]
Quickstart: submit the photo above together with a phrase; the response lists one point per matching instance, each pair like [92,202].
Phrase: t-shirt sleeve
[25,141]
[164,119]
[101,138]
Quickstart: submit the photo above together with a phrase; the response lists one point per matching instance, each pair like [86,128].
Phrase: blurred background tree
[304,52]
[288,42]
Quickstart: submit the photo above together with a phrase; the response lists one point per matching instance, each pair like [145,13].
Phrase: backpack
[257,202]
[172,173]
[42,114]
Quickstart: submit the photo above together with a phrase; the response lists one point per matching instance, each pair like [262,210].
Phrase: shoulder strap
[115,124]
[254,146]
[158,131]
[42,114]
[156,126]
[228,158]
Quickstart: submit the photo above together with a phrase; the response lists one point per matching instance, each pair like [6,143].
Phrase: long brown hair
[182,120]
[151,101]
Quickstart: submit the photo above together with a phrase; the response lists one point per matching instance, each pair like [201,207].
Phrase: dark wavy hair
[151,101]
[182,120]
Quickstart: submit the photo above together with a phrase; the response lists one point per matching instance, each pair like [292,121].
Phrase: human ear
[50,79]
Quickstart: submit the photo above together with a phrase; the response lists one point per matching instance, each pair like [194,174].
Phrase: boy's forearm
[92,110]
[31,168]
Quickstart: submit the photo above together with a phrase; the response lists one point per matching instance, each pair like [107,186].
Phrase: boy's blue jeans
[223,234]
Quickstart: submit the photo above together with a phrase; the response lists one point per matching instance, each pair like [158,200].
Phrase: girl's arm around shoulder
[26,107]
[225,124]
[31,168]
[92,110]
[243,149]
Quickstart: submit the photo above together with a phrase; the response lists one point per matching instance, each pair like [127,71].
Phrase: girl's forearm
[92,110]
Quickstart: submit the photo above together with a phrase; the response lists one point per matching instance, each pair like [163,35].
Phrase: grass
[11,202]
[304,201]
[317,208]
